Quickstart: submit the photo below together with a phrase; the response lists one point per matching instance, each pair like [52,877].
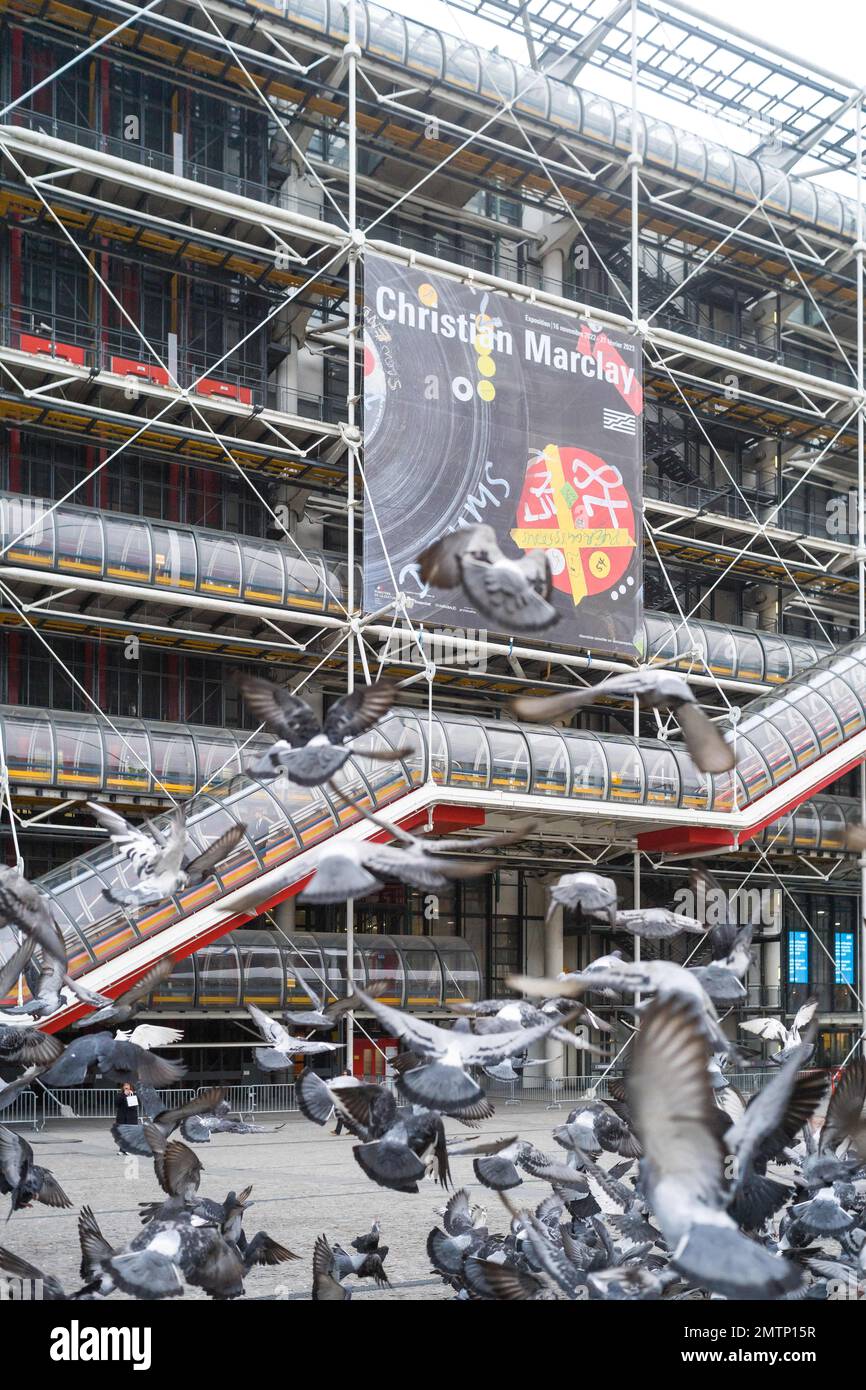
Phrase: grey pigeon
[308,750]
[514,594]
[655,689]
[159,855]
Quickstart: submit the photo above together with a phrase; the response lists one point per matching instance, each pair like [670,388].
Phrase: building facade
[181,497]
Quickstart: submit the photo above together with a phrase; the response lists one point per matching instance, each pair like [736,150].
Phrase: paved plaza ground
[305,1180]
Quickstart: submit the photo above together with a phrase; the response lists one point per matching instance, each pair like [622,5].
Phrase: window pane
[470,755]
[219,979]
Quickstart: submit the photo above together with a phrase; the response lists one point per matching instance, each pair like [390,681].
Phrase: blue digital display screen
[798,957]
[844,955]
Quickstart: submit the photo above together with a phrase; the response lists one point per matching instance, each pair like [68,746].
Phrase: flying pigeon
[356,869]
[159,855]
[675,1117]
[127,1005]
[441,1081]
[24,1180]
[654,689]
[514,594]
[283,1047]
[308,750]
[774,1030]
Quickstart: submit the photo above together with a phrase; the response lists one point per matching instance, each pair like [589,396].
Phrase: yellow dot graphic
[599,564]
[428,295]
[486,390]
[486,366]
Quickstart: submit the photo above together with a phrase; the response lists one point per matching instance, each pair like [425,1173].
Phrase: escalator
[467,771]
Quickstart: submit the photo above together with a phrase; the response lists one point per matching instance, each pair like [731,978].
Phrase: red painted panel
[48,348]
[147,371]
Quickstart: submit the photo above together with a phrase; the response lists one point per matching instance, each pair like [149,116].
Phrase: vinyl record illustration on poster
[483,409]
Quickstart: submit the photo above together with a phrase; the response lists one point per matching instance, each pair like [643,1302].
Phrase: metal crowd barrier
[274,1097]
[280,1098]
[97,1103]
[22,1110]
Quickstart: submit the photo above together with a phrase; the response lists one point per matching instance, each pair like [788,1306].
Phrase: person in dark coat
[128,1111]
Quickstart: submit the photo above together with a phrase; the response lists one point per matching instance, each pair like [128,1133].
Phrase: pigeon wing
[671,1100]
[202,864]
[284,714]
[355,714]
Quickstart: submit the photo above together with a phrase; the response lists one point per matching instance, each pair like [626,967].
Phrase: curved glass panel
[78,542]
[550,764]
[173,753]
[217,759]
[497,77]
[425,49]
[460,971]
[510,759]
[28,740]
[695,786]
[833,825]
[264,572]
[661,642]
[219,976]
[750,657]
[333,948]
[219,561]
[791,722]
[691,155]
[662,774]
[626,770]
[721,650]
[423,973]
[766,737]
[174,557]
[829,210]
[127,757]
[79,753]
[822,720]
[387,34]
[598,118]
[178,991]
[24,521]
[777,658]
[589,774]
[385,970]
[469,754]
[305,971]
[721,172]
[262,981]
[661,144]
[533,96]
[565,107]
[127,549]
[461,63]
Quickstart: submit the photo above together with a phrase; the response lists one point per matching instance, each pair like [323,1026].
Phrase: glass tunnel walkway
[174,562]
[462,770]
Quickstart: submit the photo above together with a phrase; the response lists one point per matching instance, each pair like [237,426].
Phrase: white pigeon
[775,1030]
[148,1035]
[283,1047]
[159,856]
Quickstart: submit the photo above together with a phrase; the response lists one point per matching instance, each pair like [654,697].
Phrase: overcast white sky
[829,33]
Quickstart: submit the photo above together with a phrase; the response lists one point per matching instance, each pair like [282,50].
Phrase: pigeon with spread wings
[160,855]
[442,1081]
[309,750]
[513,593]
[283,1047]
[676,1120]
[654,689]
[24,1180]
[430,865]
[772,1029]
[128,1004]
